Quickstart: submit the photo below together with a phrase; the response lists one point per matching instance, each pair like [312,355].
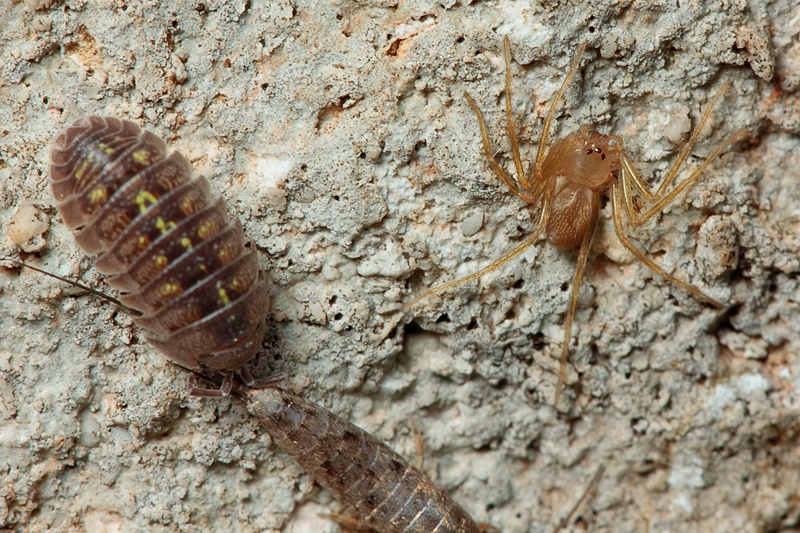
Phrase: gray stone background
[339,135]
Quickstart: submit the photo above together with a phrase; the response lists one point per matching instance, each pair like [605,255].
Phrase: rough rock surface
[339,135]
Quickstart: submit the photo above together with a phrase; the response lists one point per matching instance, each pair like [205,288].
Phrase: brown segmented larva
[167,244]
[363,473]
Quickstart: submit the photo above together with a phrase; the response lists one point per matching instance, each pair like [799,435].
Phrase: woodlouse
[569,179]
[364,474]
[166,243]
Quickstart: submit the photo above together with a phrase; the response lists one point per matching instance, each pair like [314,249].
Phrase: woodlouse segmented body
[360,471]
[167,244]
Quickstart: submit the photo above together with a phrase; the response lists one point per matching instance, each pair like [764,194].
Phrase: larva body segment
[360,471]
[165,242]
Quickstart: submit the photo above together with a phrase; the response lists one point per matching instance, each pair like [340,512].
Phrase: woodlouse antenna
[568,179]
[86,288]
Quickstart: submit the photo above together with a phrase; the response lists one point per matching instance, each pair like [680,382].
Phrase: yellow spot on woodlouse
[144,199]
[202,267]
[187,205]
[162,261]
[105,148]
[143,241]
[186,242]
[141,157]
[81,169]
[163,226]
[170,289]
[204,230]
[223,297]
[98,195]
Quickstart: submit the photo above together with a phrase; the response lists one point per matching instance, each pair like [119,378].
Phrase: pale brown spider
[568,182]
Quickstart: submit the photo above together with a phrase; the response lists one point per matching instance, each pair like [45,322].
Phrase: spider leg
[588,490]
[627,167]
[524,188]
[487,150]
[512,130]
[661,198]
[541,152]
[662,203]
[419,444]
[532,238]
[617,201]
[693,138]
[583,256]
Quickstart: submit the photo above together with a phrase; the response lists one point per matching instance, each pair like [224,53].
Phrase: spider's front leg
[619,199]
[515,188]
[663,197]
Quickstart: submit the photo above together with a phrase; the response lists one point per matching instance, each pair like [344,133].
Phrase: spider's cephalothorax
[583,163]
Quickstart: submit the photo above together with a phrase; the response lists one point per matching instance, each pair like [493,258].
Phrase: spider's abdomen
[572,215]
[167,244]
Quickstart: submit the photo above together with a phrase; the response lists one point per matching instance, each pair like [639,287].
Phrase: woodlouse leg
[261,383]
[583,256]
[222,392]
[347,523]
[225,388]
